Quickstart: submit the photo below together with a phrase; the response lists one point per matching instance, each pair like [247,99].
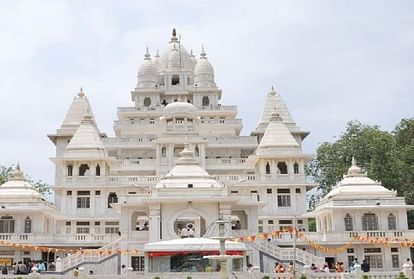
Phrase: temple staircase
[273,251]
[81,258]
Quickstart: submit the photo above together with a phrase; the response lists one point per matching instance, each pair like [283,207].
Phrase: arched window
[205,101]
[177,151]
[27,225]
[369,222]
[147,101]
[348,223]
[196,152]
[296,168]
[6,224]
[267,168]
[163,152]
[83,170]
[392,222]
[70,170]
[98,170]
[282,167]
[175,80]
[112,198]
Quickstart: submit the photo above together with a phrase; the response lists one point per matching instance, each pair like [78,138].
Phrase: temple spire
[174,36]
[81,94]
[203,53]
[147,54]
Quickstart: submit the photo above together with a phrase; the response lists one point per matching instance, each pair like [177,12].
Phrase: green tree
[4,172]
[311,225]
[41,186]
[386,156]
[373,149]
[404,137]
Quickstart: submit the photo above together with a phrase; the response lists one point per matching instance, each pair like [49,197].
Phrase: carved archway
[190,214]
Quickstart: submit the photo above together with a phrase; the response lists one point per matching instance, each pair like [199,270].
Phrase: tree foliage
[386,156]
[41,186]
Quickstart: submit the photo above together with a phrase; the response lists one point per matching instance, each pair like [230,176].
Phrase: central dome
[179,108]
[175,55]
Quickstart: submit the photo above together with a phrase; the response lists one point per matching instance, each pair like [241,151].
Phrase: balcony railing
[108,180]
[58,238]
[278,179]
[222,121]
[347,235]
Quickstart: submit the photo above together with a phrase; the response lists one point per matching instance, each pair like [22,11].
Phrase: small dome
[203,72]
[17,187]
[357,185]
[354,170]
[187,172]
[16,174]
[179,108]
[147,74]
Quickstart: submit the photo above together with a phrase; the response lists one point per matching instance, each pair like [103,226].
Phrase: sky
[331,61]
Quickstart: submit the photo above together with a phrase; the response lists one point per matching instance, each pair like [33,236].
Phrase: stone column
[75,170]
[202,152]
[92,168]
[170,155]
[158,159]
[154,222]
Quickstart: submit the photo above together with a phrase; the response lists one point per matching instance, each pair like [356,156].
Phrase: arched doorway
[139,221]
[190,221]
[238,220]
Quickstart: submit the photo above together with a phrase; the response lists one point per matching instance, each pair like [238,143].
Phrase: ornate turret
[147,74]
[86,143]
[273,100]
[354,170]
[18,188]
[16,174]
[174,36]
[277,138]
[203,72]
[79,107]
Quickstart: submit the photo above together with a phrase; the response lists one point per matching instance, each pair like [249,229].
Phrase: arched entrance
[190,221]
[139,221]
[239,220]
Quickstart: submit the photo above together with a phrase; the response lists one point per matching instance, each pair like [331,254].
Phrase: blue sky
[332,62]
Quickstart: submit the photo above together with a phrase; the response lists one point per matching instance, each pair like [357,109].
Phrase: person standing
[314,268]
[184,233]
[365,266]
[354,265]
[41,267]
[408,264]
[290,267]
[4,270]
[190,232]
[22,268]
[325,268]
[280,268]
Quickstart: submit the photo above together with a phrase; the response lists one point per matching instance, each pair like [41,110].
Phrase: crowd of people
[337,267]
[185,232]
[28,267]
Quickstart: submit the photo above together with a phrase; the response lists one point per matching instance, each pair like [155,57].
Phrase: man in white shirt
[184,233]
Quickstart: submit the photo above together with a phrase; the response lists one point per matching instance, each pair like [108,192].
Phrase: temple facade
[178,162]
